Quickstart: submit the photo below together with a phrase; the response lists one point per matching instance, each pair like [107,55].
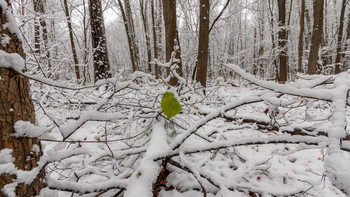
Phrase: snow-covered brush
[231,142]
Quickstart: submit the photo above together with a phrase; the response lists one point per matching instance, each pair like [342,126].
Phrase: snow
[337,166]
[11,60]
[146,174]
[11,24]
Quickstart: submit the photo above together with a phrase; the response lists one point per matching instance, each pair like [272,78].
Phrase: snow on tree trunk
[15,105]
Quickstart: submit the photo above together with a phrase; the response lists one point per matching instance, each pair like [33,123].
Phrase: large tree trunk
[171,37]
[203,42]
[282,40]
[70,29]
[340,36]
[316,36]
[99,43]
[15,105]
[301,35]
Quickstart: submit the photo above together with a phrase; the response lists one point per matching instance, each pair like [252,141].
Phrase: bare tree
[143,8]
[338,60]
[70,29]
[130,33]
[316,36]
[202,58]
[99,43]
[15,105]
[301,35]
[171,37]
[282,40]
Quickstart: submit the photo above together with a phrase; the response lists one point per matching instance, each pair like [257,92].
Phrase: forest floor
[245,166]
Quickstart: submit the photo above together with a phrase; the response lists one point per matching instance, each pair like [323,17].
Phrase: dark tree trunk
[171,37]
[99,43]
[338,60]
[70,29]
[316,36]
[301,35]
[282,40]
[203,43]
[15,105]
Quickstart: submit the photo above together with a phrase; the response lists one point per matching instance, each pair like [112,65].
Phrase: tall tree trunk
[340,36]
[143,6]
[70,29]
[171,37]
[99,43]
[316,36]
[301,35]
[203,43]
[155,49]
[271,5]
[15,105]
[128,25]
[282,40]
[40,10]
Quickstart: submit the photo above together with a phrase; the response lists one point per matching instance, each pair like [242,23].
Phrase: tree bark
[40,10]
[15,105]
[338,61]
[128,25]
[99,43]
[301,35]
[155,49]
[203,43]
[70,29]
[171,37]
[282,40]
[316,36]
[143,6]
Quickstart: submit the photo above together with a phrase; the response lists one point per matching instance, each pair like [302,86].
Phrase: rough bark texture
[15,105]
[70,29]
[40,10]
[203,42]
[301,35]
[99,43]
[338,61]
[171,36]
[316,36]
[282,40]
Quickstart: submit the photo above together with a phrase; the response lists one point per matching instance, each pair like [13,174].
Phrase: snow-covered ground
[244,140]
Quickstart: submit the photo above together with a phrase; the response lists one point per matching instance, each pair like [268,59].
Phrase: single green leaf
[170,105]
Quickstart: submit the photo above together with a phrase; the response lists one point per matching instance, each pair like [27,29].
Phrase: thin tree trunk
[203,43]
[143,6]
[316,36]
[70,29]
[282,40]
[301,36]
[133,56]
[15,105]
[155,50]
[99,43]
[338,60]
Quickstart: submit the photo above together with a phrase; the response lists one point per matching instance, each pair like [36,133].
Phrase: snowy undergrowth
[234,141]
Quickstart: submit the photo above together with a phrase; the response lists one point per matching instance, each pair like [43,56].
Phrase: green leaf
[170,105]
